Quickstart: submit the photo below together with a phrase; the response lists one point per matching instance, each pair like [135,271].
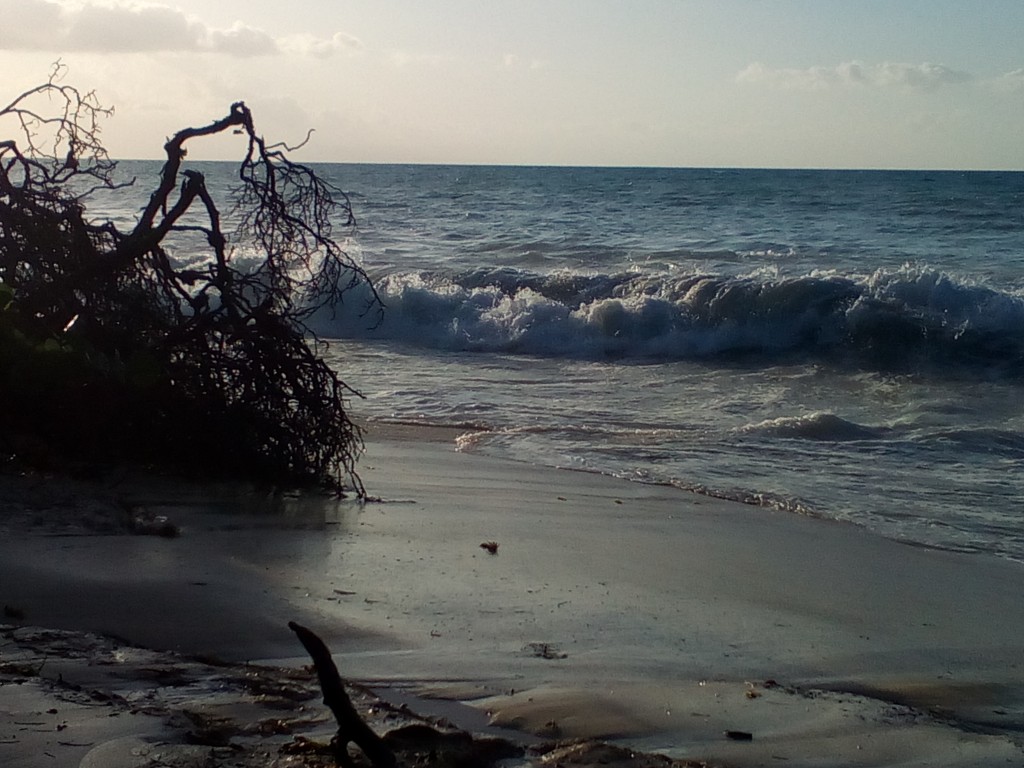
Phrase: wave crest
[890,319]
[826,427]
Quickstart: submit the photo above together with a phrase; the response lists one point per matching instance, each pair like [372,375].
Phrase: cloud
[1011,81]
[310,45]
[814,78]
[126,29]
[514,61]
[924,76]
[402,59]
[919,76]
[239,40]
[25,22]
[44,25]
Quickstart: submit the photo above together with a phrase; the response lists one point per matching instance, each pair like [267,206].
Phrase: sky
[679,83]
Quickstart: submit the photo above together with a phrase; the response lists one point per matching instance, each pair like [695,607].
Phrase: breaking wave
[825,427]
[908,318]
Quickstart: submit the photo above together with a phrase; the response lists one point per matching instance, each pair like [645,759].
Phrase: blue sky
[747,83]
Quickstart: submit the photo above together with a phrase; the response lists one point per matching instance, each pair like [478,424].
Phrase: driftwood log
[351,727]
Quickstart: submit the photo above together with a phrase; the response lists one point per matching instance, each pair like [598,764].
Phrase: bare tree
[206,364]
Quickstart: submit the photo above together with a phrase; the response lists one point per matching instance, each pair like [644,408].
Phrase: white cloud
[810,79]
[126,29]
[239,40]
[26,23]
[401,59]
[43,25]
[924,76]
[514,61]
[1011,81]
[919,76]
[310,45]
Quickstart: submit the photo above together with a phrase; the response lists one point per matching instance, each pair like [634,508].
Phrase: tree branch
[352,729]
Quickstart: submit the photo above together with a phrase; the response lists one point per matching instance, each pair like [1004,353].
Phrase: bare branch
[226,349]
[300,145]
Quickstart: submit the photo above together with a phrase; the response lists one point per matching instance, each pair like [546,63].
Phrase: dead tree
[352,729]
[207,363]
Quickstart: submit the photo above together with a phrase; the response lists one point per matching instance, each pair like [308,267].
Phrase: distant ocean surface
[844,344]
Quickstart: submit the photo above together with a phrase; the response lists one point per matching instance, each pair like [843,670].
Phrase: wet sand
[657,619]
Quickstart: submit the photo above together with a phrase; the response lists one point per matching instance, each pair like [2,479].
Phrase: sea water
[844,344]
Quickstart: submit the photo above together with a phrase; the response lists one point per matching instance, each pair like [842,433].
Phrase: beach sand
[657,620]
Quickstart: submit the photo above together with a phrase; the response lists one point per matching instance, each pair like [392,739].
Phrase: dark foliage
[112,350]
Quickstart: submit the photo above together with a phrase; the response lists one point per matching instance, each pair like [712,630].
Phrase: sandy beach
[657,620]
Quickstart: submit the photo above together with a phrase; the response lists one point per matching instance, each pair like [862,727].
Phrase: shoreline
[654,617]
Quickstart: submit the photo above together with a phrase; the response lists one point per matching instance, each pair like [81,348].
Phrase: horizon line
[574,166]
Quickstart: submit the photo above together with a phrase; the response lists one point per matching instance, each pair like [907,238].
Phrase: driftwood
[351,727]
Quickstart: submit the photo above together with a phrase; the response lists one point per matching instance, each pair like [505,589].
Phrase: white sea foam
[886,320]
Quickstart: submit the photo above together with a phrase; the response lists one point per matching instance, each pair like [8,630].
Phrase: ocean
[842,344]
